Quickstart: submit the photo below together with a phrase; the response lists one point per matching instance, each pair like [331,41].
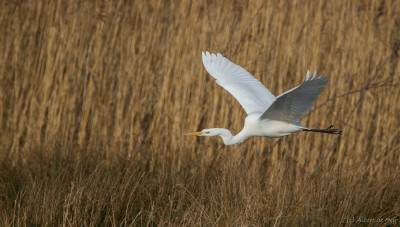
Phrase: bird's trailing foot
[330,130]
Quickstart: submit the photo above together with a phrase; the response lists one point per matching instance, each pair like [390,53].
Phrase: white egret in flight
[268,115]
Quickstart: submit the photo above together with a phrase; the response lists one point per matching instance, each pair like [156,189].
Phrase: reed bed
[95,97]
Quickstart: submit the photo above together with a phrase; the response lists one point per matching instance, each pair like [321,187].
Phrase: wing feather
[252,95]
[293,104]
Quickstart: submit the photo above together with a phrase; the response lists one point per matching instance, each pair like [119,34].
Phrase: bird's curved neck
[229,139]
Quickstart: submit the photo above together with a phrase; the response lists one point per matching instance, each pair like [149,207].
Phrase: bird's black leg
[330,130]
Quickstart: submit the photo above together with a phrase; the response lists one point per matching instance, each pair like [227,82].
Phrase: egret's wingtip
[314,74]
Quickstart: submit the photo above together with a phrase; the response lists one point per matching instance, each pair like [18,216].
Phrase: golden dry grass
[95,98]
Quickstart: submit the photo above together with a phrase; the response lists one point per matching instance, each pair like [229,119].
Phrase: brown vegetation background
[95,98]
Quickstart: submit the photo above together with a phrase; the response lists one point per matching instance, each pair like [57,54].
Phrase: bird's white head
[211,132]
[225,134]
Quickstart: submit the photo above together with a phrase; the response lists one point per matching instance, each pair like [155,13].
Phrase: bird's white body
[269,128]
[268,116]
[253,126]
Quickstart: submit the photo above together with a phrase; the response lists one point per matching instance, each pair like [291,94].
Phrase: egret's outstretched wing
[293,104]
[247,90]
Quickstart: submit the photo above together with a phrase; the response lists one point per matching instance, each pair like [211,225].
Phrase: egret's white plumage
[268,115]
[250,93]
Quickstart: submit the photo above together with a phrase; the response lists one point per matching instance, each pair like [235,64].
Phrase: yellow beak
[193,134]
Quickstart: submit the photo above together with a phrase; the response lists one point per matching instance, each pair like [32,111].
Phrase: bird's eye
[207,132]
